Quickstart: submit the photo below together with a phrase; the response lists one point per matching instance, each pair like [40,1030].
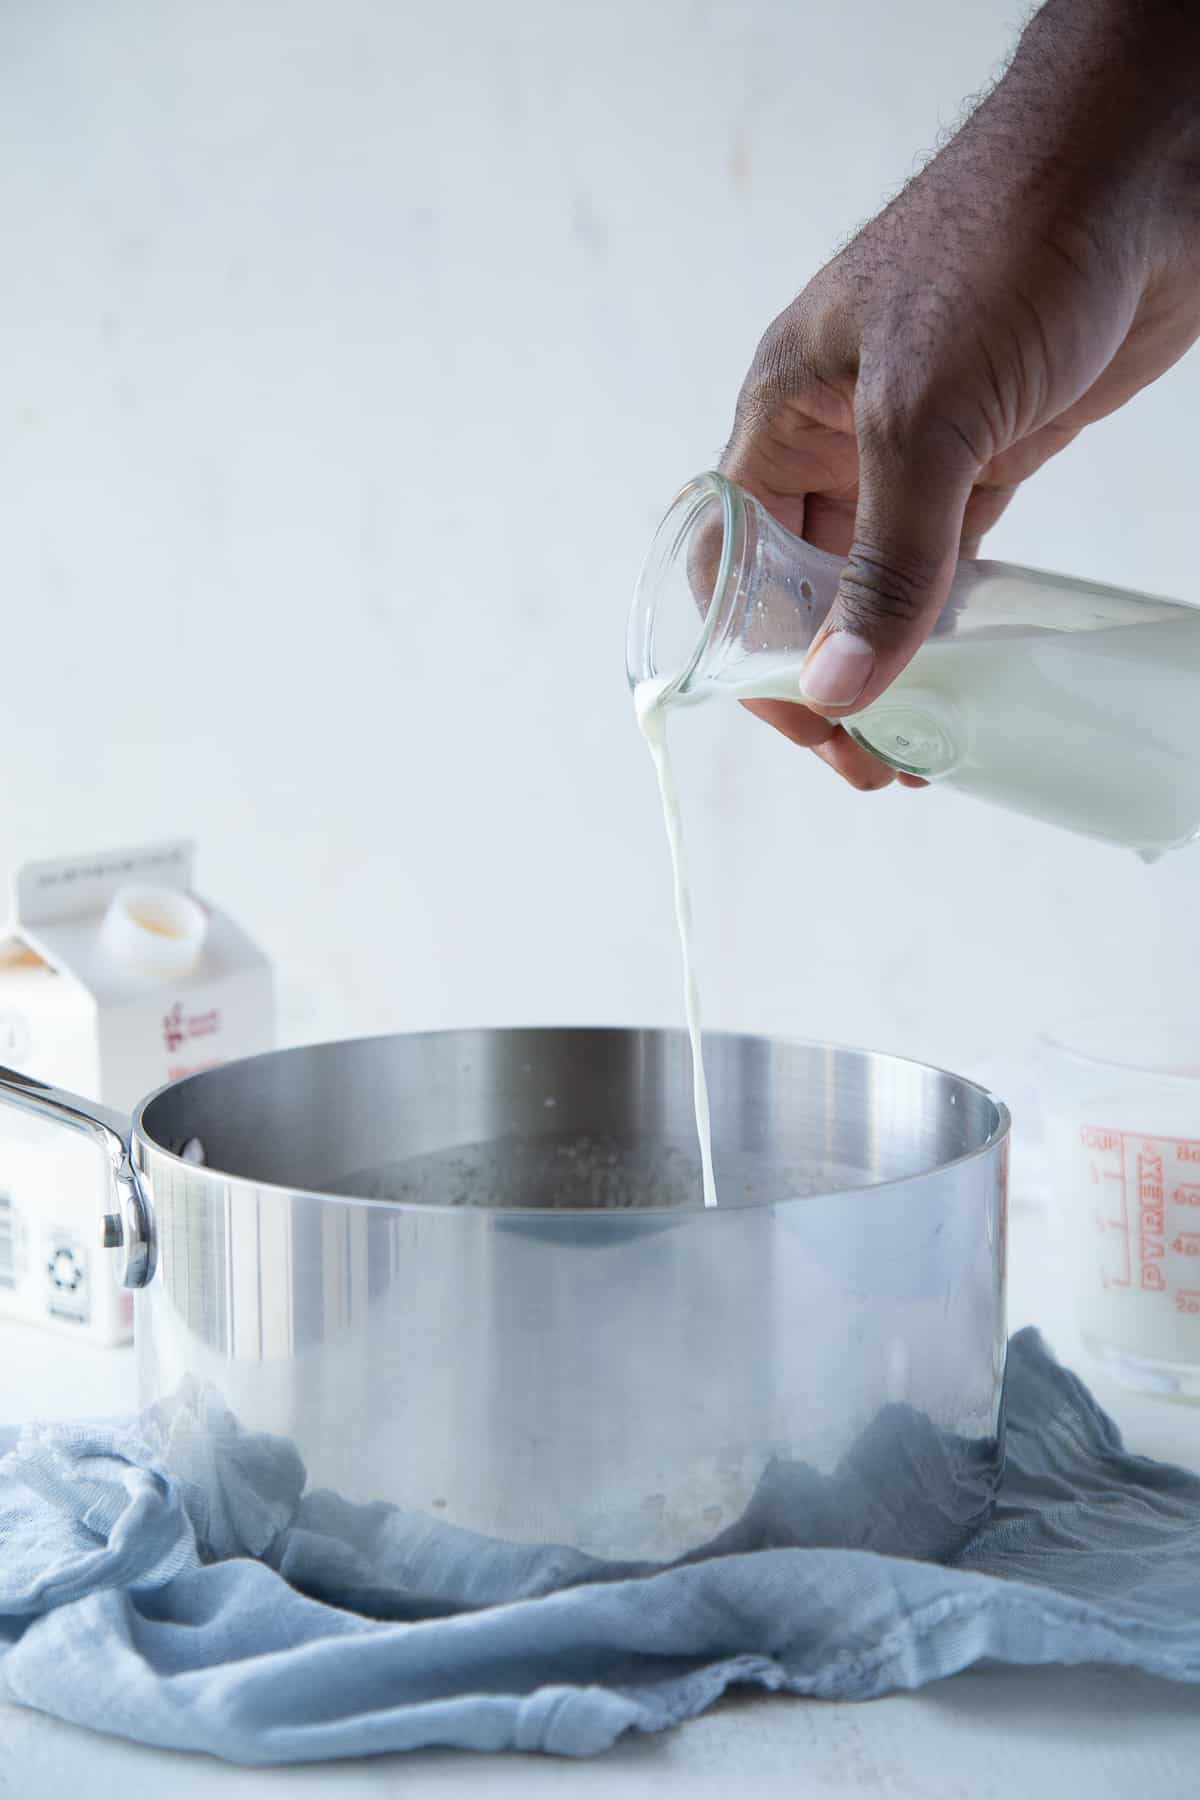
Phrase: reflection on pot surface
[903,1489]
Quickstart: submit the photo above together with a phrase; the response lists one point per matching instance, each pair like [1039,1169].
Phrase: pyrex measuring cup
[1121,1106]
[1067,700]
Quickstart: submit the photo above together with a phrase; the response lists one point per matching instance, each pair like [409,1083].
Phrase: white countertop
[1032,1733]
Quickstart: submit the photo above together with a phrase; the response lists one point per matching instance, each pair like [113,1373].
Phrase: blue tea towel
[169,1607]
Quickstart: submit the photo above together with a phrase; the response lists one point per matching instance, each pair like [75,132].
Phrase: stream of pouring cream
[652,718]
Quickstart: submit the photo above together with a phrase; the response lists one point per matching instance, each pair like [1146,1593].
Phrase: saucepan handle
[128,1224]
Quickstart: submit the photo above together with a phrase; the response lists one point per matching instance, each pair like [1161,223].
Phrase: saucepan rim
[203,1175]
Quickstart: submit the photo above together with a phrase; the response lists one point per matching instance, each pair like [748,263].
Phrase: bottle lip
[669,545]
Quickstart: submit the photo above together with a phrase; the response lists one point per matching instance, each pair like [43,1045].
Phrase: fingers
[835,747]
[793,433]
[802,727]
[854,764]
[868,464]
[914,485]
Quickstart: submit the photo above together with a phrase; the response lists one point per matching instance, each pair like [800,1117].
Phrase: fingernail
[838,670]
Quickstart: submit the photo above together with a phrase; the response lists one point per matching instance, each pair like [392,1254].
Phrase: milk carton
[114,979]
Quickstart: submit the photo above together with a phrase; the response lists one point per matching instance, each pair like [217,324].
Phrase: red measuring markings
[1187,1300]
[1106,1171]
[1134,1177]
[1152,1218]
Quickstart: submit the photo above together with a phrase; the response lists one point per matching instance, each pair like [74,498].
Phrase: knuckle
[920,426]
[810,343]
[780,368]
[920,398]
[884,584]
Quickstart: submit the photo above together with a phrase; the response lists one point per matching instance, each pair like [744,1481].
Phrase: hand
[1040,270]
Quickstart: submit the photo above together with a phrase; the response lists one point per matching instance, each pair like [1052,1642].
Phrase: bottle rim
[668,549]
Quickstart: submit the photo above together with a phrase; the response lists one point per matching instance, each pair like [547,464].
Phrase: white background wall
[348,355]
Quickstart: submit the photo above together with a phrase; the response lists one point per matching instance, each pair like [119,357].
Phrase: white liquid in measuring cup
[1098,731]
[652,718]
[1128,1175]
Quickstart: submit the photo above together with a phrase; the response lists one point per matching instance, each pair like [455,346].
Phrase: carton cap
[158,930]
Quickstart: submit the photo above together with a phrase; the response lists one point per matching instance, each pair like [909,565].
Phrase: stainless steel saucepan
[439,1319]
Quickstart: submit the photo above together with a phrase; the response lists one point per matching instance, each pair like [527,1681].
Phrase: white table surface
[1006,1732]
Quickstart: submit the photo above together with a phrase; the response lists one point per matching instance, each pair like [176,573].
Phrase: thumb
[911,501]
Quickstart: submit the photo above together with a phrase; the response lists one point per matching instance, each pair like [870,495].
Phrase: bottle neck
[688,589]
[723,569]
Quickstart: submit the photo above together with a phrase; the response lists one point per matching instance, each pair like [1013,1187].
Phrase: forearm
[1112,86]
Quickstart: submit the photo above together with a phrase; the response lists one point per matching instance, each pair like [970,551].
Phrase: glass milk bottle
[1067,700]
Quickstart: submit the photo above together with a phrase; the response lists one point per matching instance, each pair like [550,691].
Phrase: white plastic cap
[158,930]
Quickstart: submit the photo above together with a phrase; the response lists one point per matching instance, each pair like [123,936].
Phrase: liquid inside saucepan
[583,1173]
